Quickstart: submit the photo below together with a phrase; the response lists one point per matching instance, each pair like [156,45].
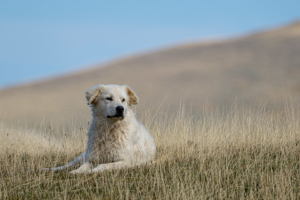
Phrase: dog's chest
[110,147]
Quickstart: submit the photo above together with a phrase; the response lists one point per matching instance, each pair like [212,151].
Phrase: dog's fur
[115,138]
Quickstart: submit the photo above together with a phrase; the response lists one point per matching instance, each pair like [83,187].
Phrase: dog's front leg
[109,166]
[86,167]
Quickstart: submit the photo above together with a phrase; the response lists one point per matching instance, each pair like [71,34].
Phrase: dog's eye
[123,100]
[109,98]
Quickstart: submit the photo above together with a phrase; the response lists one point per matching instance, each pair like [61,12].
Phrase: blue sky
[41,39]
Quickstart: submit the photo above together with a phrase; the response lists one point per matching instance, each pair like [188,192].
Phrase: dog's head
[111,101]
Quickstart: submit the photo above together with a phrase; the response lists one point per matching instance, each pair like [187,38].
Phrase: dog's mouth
[115,117]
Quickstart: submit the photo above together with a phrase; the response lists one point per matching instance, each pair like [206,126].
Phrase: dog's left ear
[133,98]
[92,93]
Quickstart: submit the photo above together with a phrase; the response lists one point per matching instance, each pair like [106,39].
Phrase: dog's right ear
[92,93]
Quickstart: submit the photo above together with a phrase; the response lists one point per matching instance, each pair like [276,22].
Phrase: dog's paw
[78,171]
[85,168]
[81,172]
[74,172]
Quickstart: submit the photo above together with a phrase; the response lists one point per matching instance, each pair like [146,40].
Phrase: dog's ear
[92,93]
[133,98]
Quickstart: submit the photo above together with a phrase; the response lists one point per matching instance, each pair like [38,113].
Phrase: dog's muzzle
[119,113]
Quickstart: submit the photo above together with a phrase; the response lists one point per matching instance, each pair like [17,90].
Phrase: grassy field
[244,154]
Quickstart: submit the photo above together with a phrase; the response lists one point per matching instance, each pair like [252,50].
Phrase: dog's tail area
[76,161]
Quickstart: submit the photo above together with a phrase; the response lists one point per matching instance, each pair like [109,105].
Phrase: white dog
[115,138]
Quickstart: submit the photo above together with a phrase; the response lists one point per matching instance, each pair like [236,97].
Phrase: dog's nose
[120,109]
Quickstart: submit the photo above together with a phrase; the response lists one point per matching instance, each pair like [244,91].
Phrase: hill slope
[261,67]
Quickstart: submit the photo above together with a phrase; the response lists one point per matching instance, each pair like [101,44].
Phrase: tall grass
[244,154]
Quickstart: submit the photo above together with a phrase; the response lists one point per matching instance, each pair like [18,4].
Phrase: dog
[115,138]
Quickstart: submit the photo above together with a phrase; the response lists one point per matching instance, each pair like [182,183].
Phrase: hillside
[262,67]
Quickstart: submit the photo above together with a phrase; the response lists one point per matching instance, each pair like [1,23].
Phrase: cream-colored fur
[115,138]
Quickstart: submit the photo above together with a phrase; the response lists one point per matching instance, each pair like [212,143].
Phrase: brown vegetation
[244,154]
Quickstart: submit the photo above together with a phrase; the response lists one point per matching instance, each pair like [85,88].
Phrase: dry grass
[246,154]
